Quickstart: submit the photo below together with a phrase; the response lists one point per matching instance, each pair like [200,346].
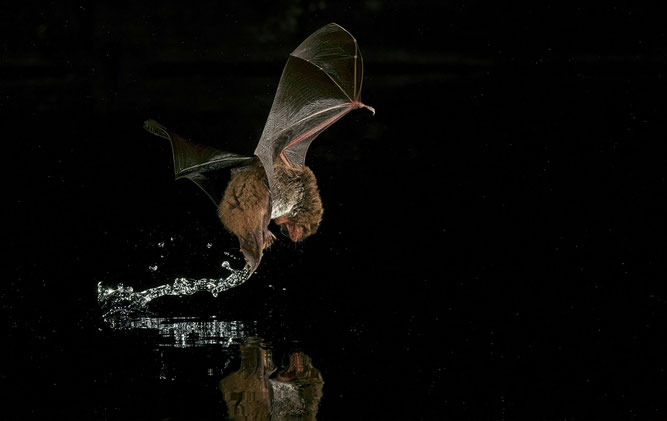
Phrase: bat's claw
[251,260]
[269,238]
[368,107]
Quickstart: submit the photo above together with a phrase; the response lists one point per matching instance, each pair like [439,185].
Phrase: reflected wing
[199,163]
[321,83]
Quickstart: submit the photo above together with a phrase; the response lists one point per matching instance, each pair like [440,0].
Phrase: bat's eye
[284,230]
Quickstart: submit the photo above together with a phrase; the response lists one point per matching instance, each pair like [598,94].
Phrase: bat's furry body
[320,84]
[295,201]
[296,187]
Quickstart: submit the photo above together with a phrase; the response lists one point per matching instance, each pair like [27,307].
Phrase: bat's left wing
[199,163]
[321,83]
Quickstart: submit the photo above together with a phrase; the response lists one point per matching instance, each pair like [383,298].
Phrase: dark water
[493,238]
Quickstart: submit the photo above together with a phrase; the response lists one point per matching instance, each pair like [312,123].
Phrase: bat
[320,84]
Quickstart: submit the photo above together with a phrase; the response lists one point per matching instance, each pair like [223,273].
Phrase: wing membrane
[196,162]
[321,83]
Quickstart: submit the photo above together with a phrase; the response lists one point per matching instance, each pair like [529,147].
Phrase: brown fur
[308,211]
[244,209]
[244,206]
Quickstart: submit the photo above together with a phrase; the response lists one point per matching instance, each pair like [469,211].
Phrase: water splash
[124,300]
[186,332]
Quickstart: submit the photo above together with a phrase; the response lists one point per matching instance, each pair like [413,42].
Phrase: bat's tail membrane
[156,128]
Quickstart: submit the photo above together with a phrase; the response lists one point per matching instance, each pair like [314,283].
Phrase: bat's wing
[199,163]
[321,83]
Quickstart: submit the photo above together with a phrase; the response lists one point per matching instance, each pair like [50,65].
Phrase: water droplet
[123,300]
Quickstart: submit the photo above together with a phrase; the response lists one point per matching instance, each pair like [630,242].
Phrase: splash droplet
[124,300]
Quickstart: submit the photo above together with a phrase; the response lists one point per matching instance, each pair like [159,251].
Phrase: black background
[493,238]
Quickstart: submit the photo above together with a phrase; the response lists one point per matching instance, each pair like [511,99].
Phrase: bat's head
[294,230]
[305,213]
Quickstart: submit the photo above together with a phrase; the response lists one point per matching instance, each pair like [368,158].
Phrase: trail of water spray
[123,300]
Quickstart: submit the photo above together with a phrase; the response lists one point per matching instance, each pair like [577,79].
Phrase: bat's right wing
[321,83]
[198,163]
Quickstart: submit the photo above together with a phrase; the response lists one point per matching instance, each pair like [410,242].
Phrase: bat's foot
[269,238]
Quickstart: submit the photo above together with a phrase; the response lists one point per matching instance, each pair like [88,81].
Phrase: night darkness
[493,237]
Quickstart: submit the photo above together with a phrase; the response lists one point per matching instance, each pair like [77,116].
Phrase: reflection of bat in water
[321,83]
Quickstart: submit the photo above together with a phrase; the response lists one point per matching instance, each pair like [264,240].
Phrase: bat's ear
[157,129]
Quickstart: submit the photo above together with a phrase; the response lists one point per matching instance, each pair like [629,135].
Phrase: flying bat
[320,83]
